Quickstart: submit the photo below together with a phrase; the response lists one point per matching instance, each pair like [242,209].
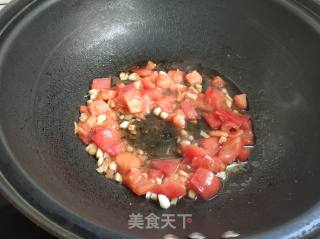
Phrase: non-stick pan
[50,50]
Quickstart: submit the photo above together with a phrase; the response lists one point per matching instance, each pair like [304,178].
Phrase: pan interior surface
[51,52]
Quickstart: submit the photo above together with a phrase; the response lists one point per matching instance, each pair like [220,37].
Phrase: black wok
[49,52]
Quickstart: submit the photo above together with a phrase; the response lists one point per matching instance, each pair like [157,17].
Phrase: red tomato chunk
[205,184]
[108,140]
[170,189]
[101,83]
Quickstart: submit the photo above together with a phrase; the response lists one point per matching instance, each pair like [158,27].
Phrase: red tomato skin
[84,109]
[248,137]
[123,92]
[244,154]
[205,184]
[232,129]
[101,83]
[212,120]
[134,103]
[85,132]
[215,98]
[241,101]
[167,166]
[230,150]
[98,107]
[213,164]
[163,81]
[106,94]
[150,65]
[170,189]
[126,161]
[211,145]
[194,78]
[218,82]
[190,152]
[176,75]
[106,139]
[227,115]
[147,83]
[178,120]
[137,182]
[167,103]
[142,72]
[115,149]
[154,94]
[188,109]
[155,173]
[109,123]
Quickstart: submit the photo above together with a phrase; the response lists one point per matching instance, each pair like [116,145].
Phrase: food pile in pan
[114,110]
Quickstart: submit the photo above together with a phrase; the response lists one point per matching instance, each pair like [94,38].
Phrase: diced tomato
[179,119]
[248,137]
[202,104]
[101,83]
[227,115]
[244,154]
[142,72]
[155,173]
[147,105]
[170,189]
[127,88]
[86,129]
[153,94]
[84,109]
[241,101]
[150,65]
[211,145]
[246,124]
[147,83]
[116,149]
[232,129]
[134,103]
[98,107]
[205,184]
[127,161]
[107,139]
[176,75]
[182,180]
[109,123]
[84,138]
[163,81]
[112,115]
[215,98]
[213,164]
[218,82]
[201,162]
[167,103]
[188,109]
[191,151]
[176,94]
[167,166]
[194,78]
[125,91]
[153,76]
[230,150]
[179,90]
[212,120]
[106,94]
[137,182]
